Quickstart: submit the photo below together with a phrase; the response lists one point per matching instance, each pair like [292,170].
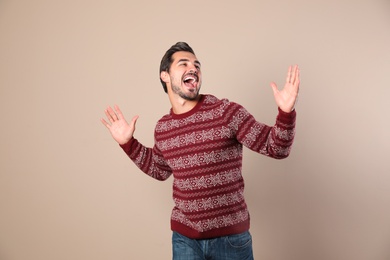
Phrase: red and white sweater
[203,150]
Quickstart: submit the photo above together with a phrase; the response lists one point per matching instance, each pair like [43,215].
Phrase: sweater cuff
[286,117]
[127,146]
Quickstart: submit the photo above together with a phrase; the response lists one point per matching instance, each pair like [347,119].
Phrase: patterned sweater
[203,150]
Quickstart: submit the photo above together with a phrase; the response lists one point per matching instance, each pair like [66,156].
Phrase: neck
[181,106]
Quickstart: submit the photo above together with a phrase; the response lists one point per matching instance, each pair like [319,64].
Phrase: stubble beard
[193,95]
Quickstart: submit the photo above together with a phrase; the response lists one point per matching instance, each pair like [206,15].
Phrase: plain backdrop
[67,191]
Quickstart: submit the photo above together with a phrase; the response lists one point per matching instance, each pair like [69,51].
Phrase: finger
[108,115]
[134,121]
[111,114]
[105,123]
[274,87]
[119,112]
[297,78]
[288,79]
[295,75]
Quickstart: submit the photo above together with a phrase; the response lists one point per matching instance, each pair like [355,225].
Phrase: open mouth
[190,80]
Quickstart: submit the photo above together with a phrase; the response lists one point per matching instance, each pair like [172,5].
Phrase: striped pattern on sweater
[203,150]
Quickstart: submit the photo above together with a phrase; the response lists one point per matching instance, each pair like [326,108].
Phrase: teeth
[190,78]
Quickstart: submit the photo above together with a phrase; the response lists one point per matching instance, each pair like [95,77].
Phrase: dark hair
[167,60]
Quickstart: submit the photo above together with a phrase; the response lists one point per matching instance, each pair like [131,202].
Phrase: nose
[194,70]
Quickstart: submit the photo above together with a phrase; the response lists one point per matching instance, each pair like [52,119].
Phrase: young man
[200,142]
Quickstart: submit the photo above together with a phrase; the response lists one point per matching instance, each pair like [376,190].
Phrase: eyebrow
[187,60]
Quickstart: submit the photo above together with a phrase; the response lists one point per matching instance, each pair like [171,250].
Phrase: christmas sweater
[203,150]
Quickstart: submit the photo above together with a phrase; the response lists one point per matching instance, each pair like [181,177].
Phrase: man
[200,142]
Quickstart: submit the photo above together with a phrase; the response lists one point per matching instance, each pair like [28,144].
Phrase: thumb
[134,121]
[274,87]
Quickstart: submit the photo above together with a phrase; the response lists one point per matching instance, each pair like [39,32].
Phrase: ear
[164,76]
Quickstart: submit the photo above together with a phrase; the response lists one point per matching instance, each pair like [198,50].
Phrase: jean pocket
[240,240]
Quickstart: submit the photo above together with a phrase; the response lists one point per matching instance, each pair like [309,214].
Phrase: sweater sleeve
[273,141]
[149,160]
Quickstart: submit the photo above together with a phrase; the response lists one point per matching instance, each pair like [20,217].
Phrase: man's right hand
[120,130]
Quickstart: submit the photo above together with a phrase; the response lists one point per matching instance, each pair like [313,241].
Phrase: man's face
[185,78]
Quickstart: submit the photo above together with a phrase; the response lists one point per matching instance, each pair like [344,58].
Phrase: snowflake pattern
[210,181]
[191,160]
[209,203]
[204,153]
[211,223]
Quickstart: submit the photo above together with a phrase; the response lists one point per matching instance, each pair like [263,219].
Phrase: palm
[120,130]
[287,97]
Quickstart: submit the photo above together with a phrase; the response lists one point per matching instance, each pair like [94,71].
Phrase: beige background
[68,192]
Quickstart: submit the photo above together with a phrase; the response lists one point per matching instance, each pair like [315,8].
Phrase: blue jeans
[234,247]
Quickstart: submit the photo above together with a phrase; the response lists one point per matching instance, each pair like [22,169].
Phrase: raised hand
[120,130]
[288,96]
